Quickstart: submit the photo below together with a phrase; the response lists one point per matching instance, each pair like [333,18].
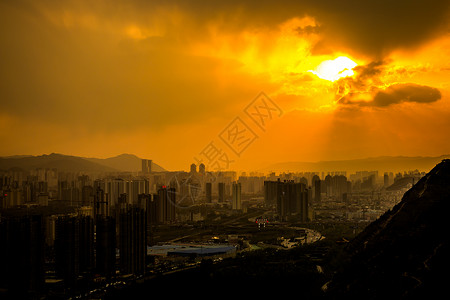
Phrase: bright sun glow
[332,70]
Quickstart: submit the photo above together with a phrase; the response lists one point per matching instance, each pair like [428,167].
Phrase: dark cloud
[67,60]
[373,27]
[406,93]
[370,70]
[367,88]
[72,64]
[377,27]
[308,30]
[396,93]
[366,78]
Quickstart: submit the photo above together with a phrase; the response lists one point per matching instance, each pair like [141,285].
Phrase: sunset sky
[172,81]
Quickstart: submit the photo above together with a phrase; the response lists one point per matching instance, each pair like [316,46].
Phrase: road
[236,219]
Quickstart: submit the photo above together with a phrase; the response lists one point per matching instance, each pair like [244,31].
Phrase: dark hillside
[404,254]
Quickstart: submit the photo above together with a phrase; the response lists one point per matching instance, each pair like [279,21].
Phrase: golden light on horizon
[332,70]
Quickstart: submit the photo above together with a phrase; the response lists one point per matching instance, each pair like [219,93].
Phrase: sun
[334,69]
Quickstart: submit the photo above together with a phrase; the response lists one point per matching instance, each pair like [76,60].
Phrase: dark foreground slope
[405,253]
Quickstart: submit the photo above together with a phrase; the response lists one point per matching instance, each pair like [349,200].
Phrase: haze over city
[163,79]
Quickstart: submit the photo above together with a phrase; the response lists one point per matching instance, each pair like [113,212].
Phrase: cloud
[365,79]
[376,85]
[80,65]
[396,93]
[309,29]
[377,27]
[371,27]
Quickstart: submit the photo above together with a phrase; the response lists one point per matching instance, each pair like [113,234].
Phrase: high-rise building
[336,185]
[305,199]
[146,202]
[101,203]
[161,205]
[86,241]
[386,179]
[114,188]
[208,191]
[74,246]
[291,198]
[87,195]
[270,192]
[132,240]
[22,255]
[146,166]
[171,204]
[67,247]
[11,197]
[202,169]
[152,212]
[368,183]
[105,246]
[236,196]
[317,191]
[316,188]
[166,205]
[304,180]
[69,192]
[221,191]
[151,206]
[136,187]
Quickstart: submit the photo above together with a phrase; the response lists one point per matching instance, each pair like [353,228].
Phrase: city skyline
[168,80]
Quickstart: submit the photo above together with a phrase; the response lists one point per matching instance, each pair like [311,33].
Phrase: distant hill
[125,162]
[64,163]
[67,163]
[403,254]
[382,163]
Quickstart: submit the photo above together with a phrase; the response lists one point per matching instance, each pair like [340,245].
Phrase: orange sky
[176,81]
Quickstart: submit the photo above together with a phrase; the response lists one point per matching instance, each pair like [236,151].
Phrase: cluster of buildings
[62,228]
[92,240]
[290,198]
[69,226]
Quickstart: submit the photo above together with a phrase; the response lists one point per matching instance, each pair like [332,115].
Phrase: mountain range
[381,163]
[132,163]
[404,253]
[67,163]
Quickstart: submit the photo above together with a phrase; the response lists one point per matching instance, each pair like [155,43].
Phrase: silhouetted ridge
[383,164]
[65,163]
[403,254]
[68,163]
[125,162]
